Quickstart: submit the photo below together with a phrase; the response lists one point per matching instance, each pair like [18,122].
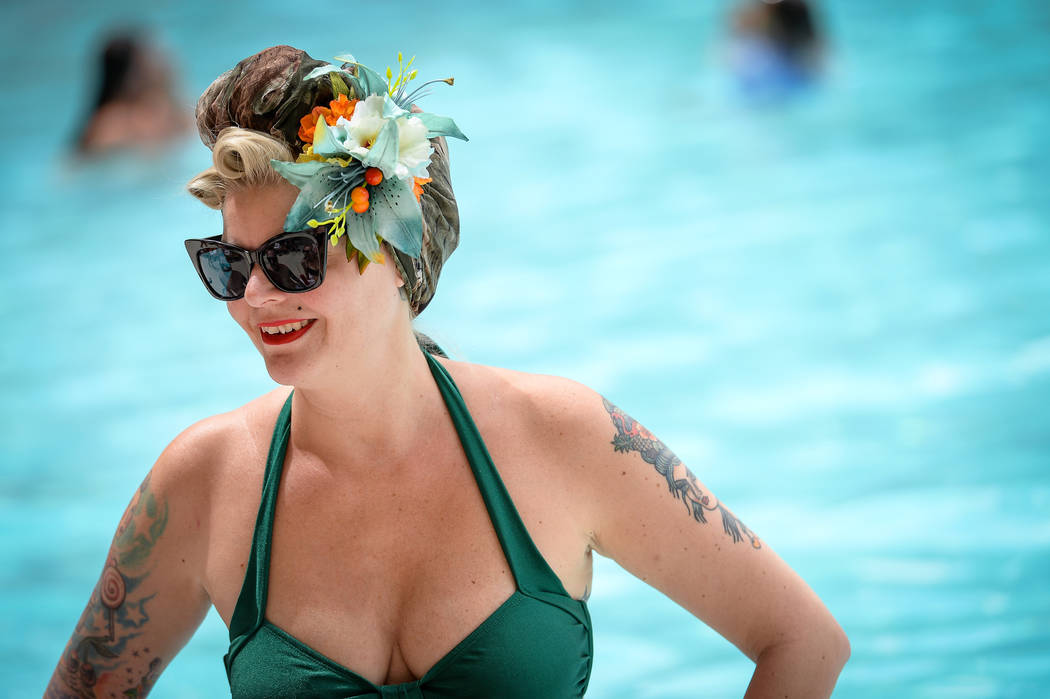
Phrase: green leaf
[372,83]
[311,178]
[440,126]
[360,230]
[339,87]
[320,71]
[327,140]
[398,218]
[299,174]
[391,110]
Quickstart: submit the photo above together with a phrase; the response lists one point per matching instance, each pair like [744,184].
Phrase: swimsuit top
[537,644]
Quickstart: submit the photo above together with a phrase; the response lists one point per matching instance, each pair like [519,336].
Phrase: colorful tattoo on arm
[103,648]
[631,436]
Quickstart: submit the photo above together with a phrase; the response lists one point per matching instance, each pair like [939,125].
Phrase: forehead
[251,215]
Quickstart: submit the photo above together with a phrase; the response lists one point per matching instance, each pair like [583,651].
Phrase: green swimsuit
[537,644]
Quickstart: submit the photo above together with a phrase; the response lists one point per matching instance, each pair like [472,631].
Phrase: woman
[396,524]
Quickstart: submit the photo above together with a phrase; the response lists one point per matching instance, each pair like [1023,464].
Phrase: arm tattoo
[631,436]
[103,643]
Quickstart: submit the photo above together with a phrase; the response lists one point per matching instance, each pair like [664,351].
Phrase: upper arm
[150,597]
[658,521]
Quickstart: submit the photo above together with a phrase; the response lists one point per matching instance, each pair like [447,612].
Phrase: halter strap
[532,574]
[250,611]
[531,571]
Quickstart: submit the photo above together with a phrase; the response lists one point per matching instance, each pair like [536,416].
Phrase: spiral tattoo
[111,587]
[107,639]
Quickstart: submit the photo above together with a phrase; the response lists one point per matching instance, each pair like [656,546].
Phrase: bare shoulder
[211,449]
[552,406]
[154,588]
[557,426]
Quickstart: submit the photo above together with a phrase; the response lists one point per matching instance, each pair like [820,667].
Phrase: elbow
[830,641]
[824,647]
[845,648]
[837,646]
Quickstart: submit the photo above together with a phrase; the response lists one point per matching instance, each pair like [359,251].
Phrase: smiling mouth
[283,333]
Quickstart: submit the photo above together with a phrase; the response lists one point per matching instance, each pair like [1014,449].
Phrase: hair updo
[251,114]
[241,158]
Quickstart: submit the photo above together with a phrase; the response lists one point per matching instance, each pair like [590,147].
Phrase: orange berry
[359,195]
[373,176]
[360,206]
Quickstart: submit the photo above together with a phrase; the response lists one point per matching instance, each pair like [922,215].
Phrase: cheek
[238,310]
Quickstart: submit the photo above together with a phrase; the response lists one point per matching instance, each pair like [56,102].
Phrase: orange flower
[417,185]
[341,107]
[308,123]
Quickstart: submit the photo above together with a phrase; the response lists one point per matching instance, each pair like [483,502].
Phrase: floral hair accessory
[364,160]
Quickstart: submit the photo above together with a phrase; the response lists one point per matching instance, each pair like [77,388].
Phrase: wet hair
[241,158]
[792,26]
[120,58]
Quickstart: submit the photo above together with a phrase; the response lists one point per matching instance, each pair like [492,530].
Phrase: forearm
[804,668]
[58,688]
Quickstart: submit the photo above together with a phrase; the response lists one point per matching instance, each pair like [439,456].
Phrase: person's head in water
[135,102]
[775,48]
[787,25]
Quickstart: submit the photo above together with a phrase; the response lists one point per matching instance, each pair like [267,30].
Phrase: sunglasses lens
[225,271]
[293,263]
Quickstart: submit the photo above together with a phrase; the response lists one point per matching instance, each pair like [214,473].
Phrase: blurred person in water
[135,105]
[391,522]
[775,47]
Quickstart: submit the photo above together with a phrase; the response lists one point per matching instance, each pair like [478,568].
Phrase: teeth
[286,328]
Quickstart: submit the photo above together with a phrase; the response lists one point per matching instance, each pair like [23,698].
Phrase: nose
[259,290]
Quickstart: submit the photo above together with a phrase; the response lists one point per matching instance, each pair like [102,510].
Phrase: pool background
[833,308]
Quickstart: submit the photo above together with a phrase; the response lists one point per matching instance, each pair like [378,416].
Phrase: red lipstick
[279,338]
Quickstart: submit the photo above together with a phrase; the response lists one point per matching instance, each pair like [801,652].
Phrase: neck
[376,406]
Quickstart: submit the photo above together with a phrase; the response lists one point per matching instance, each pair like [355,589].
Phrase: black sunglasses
[293,262]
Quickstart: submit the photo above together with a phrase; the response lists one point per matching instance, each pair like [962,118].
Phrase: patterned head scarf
[272,91]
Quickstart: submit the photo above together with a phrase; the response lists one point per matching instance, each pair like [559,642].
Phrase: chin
[286,370]
[281,374]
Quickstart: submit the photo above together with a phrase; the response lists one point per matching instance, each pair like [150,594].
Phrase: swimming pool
[833,308]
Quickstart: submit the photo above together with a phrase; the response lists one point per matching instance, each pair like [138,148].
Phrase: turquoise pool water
[833,308]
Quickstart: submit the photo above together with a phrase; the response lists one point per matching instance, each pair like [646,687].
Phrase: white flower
[413,152]
[364,126]
[362,130]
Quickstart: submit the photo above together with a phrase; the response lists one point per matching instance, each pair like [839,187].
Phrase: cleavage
[384,576]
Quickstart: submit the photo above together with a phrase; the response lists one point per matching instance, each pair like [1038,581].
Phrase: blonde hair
[241,158]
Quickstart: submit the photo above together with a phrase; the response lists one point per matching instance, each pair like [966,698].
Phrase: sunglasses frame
[194,245]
